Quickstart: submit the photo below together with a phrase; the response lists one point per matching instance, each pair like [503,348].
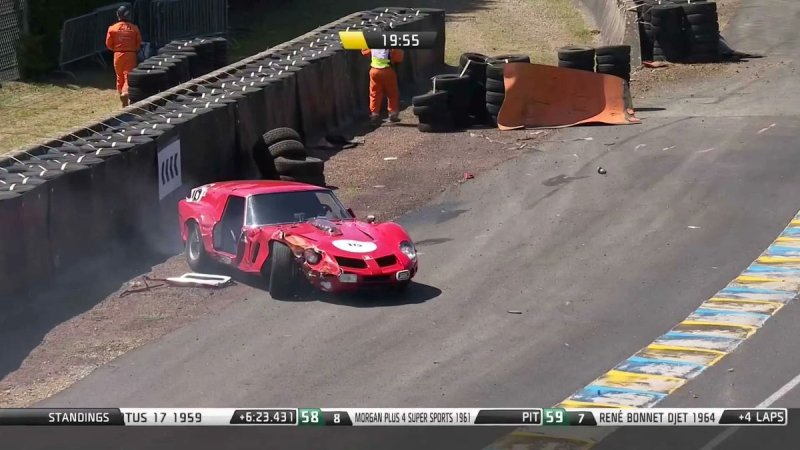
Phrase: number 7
[580,417]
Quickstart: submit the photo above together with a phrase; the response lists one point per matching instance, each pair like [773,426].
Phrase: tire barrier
[670,43]
[473,65]
[459,97]
[119,179]
[614,60]
[577,57]
[281,155]
[680,31]
[495,87]
[433,111]
[702,28]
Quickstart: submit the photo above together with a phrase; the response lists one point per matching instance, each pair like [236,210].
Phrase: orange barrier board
[540,96]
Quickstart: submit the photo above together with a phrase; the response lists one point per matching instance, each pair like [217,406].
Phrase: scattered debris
[639,146]
[436,362]
[468,176]
[566,345]
[390,158]
[765,129]
[668,148]
[694,227]
[654,64]
[706,150]
[379,186]
[199,280]
[730,370]
[136,286]
[601,171]
[514,311]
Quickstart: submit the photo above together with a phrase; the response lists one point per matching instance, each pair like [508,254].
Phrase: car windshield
[291,207]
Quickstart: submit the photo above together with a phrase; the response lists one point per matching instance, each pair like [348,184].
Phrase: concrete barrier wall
[616,23]
[119,180]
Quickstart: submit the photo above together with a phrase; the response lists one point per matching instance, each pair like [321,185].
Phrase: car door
[227,232]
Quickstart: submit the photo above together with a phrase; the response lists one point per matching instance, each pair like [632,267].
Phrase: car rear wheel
[195,251]
[282,272]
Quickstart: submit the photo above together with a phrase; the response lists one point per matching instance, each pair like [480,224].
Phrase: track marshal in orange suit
[383,82]
[124,39]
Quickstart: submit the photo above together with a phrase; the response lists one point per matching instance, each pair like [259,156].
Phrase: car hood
[349,237]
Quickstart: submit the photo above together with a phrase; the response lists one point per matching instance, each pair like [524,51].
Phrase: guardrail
[12,23]
[84,36]
[165,20]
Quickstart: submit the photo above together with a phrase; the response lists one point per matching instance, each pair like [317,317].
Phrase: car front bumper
[350,281]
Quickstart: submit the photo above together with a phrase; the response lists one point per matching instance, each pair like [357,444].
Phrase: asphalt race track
[599,265]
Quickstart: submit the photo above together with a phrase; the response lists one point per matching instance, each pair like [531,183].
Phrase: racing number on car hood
[355,246]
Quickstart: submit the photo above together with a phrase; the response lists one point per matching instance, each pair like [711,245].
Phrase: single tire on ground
[280,134]
[196,255]
[293,167]
[431,98]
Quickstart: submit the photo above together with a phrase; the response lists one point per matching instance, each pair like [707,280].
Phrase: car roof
[255,187]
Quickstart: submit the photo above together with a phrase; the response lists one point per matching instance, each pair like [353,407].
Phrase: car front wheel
[282,273]
[195,251]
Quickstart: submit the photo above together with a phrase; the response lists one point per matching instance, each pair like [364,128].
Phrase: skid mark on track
[712,331]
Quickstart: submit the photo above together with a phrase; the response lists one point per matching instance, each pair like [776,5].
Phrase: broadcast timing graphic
[360,40]
[348,417]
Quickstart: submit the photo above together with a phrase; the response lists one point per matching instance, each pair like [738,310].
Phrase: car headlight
[408,249]
[312,256]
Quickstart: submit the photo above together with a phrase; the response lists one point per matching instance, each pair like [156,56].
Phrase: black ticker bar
[336,419]
[581,418]
[264,417]
[509,416]
[400,39]
[753,417]
[65,416]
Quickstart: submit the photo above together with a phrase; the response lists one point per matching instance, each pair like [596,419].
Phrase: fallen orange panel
[549,97]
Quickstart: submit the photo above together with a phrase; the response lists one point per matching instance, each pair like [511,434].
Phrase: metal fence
[84,36]
[161,21]
[12,24]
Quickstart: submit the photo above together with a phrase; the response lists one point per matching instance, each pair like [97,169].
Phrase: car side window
[233,216]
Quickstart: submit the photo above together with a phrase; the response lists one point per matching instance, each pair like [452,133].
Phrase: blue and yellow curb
[707,335]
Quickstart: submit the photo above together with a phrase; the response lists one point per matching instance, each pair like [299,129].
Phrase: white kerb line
[712,444]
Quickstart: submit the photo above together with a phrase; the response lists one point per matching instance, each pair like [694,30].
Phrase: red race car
[285,230]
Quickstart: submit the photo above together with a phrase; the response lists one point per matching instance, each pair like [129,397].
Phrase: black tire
[495,98]
[289,149]
[447,82]
[585,65]
[283,273]
[510,58]
[316,180]
[703,8]
[473,57]
[431,98]
[196,255]
[438,127]
[702,58]
[280,134]
[607,68]
[493,110]
[429,110]
[708,38]
[701,19]
[293,167]
[611,59]
[708,28]
[576,53]
[497,86]
[618,51]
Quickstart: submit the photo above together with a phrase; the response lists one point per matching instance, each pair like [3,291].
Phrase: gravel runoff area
[83,322]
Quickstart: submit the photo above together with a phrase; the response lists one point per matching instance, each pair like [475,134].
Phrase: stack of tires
[670,42]
[459,96]
[473,65]
[702,28]
[614,60]
[495,84]
[143,83]
[576,57]
[281,155]
[433,112]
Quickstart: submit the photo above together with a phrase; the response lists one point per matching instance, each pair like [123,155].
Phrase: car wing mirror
[350,211]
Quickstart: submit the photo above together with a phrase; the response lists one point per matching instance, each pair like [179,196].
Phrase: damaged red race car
[287,231]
